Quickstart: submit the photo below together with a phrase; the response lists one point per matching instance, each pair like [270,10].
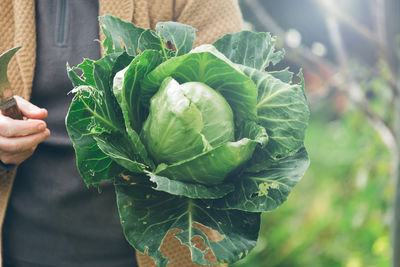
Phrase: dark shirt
[53,219]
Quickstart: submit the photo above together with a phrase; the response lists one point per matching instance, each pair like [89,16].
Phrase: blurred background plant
[342,212]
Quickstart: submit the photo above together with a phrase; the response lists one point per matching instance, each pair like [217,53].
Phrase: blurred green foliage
[339,214]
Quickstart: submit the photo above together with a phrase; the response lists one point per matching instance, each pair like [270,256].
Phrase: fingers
[7,158]
[21,144]
[34,124]
[15,150]
[19,138]
[14,128]
[30,110]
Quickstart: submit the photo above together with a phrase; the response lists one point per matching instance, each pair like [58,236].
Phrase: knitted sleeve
[212,19]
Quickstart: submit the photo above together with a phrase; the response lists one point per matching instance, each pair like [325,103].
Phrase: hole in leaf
[199,242]
[212,235]
[253,195]
[171,241]
[170,46]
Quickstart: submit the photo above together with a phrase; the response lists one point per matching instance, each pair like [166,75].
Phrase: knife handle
[10,109]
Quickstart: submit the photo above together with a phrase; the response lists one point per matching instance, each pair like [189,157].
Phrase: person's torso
[53,219]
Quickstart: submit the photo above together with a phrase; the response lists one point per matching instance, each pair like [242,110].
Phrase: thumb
[30,110]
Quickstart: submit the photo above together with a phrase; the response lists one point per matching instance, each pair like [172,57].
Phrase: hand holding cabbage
[189,137]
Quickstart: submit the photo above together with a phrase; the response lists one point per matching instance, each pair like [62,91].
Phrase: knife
[8,104]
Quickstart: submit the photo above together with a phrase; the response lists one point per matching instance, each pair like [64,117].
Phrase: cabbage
[189,137]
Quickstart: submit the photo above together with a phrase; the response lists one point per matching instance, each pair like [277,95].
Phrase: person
[50,217]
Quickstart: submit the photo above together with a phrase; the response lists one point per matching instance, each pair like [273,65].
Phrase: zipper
[61,22]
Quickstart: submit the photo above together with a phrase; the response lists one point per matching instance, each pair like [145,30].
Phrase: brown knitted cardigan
[212,18]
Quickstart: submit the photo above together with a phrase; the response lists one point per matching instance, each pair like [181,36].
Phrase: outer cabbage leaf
[94,116]
[211,49]
[178,35]
[284,75]
[147,215]
[110,145]
[211,167]
[238,90]
[127,91]
[93,164]
[190,190]
[253,131]
[268,188]
[124,36]
[255,50]
[282,110]
[87,73]
[120,63]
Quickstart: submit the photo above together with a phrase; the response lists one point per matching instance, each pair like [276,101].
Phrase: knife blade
[8,104]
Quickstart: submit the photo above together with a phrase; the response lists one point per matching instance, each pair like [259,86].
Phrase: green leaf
[147,215]
[121,62]
[94,122]
[107,111]
[127,91]
[211,167]
[87,71]
[238,90]
[255,50]
[179,35]
[127,88]
[149,40]
[94,166]
[86,77]
[111,112]
[120,154]
[282,110]
[253,131]
[190,190]
[5,58]
[268,188]
[285,75]
[121,36]
[74,77]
